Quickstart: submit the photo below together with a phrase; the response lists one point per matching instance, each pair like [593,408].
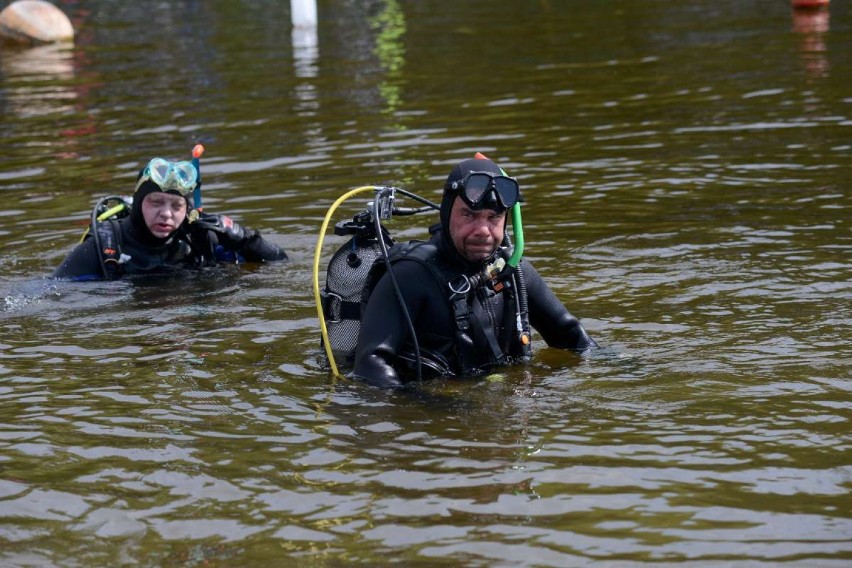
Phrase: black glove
[228,233]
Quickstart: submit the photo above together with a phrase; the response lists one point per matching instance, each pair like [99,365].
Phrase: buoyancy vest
[482,338]
[117,251]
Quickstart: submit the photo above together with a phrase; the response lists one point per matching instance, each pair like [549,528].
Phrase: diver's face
[475,234]
[163,213]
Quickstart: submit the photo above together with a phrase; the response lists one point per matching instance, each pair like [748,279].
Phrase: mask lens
[158,169]
[475,187]
[186,175]
[508,190]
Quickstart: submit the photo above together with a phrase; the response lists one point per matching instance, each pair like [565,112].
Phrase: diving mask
[476,187]
[170,176]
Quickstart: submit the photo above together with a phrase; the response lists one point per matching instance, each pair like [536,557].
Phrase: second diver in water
[163,232]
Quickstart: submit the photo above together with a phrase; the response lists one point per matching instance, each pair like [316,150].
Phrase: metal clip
[464,286]
[385,196]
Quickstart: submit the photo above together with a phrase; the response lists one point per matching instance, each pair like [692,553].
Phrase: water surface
[686,171]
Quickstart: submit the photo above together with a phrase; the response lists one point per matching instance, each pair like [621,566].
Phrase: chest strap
[462,295]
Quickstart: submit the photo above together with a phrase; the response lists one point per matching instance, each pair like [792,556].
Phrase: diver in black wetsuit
[163,233]
[460,332]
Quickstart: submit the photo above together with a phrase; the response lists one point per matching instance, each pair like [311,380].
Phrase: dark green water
[686,168]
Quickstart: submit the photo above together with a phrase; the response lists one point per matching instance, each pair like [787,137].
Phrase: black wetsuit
[188,247]
[384,352]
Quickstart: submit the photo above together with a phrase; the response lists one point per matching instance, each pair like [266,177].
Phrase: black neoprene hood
[469,166]
[458,173]
[137,220]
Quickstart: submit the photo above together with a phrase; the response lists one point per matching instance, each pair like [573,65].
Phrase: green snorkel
[500,271]
[518,234]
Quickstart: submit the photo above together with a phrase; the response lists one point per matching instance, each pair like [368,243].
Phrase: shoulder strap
[421,252]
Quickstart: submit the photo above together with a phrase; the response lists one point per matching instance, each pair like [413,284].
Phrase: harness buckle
[332,303]
[458,300]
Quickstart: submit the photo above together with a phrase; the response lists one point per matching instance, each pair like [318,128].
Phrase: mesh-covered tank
[345,276]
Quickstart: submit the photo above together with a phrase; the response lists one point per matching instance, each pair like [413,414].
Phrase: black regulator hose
[397,291]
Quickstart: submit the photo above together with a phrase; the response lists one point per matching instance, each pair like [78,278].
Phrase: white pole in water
[304,34]
[303,13]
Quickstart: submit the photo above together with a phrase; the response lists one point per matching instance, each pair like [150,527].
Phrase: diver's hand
[229,233]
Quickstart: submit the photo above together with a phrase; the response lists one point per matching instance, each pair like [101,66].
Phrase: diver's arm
[550,317]
[82,263]
[257,249]
[241,240]
[384,329]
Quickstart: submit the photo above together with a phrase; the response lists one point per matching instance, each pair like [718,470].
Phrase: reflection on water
[38,81]
[811,26]
[40,85]
[389,29]
[686,185]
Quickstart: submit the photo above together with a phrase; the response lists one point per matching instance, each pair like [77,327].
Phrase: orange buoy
[35,21]
[809,4]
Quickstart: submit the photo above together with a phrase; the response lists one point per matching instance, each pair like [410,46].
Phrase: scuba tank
[103,228]
[344,283]
[339,302]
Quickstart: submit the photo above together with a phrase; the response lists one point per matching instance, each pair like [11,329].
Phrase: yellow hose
[317,254]
[105,215]
[111,211]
